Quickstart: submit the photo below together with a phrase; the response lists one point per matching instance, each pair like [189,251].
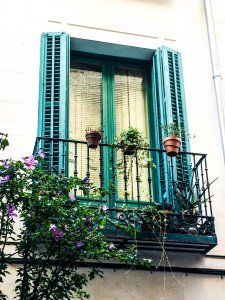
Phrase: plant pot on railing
[93,138]
[128,149]
[172,145]
[130,140]
[172,142]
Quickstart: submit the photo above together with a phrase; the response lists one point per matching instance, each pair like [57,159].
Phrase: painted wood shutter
[53,96]
[169,106]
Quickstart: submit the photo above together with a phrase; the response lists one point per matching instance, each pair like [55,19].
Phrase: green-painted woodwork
[168,107]
[165,103]
[53,96]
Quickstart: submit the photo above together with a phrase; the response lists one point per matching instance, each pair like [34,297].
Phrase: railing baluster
[101,179]
[75,173]
[173,181]
[149,178]
[63,158]
[88,171]
[112,183]
[208,188]
[161,167]
[125,177]
[197,185]
[203,189]
[51,157]
[137,178]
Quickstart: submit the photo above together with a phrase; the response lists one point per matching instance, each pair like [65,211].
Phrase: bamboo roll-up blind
[85,111]
[130,108]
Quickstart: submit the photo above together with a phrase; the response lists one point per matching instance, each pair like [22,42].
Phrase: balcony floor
[173,242]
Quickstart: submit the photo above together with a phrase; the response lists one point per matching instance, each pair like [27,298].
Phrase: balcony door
[110,95]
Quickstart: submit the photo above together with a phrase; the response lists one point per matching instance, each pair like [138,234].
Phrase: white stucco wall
[133,285]
[144,23]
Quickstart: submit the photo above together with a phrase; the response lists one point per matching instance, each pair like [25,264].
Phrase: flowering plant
[57,233]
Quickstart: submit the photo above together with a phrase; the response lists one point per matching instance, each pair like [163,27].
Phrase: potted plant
[173,139]
[93,137]
[135,147]
[131,139]
[153,219]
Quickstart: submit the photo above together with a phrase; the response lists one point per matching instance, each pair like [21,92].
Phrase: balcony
[180,186]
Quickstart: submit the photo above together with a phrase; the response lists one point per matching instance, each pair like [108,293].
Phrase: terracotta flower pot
[172,145]
[93,138]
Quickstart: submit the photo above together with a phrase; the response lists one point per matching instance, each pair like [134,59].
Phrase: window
[99,91]
[111,95]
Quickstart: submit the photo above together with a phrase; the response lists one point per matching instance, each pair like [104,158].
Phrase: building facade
[103,51]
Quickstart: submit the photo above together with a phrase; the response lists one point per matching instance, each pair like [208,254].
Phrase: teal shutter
[53,97]
[169,106]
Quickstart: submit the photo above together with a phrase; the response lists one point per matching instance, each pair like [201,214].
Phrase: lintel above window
[110,49]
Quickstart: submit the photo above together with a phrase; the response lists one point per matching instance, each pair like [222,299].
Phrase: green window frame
[166,103]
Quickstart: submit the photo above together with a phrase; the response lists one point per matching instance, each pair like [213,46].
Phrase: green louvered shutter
[53,97]
[169,107]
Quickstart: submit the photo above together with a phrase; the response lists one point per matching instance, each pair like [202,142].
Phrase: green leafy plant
[99,129]
[135,146]
[57,234]
[189,197]
[3,141]
[173,129]
[132,137]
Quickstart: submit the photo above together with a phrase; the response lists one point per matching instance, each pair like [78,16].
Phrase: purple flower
[6,164]
[112,246]
[72,196]
[104,208]
[56,232]
[4,179]
[60,193]
[86,180]
[41,154]
[79,245]
[11,211]
[30,162]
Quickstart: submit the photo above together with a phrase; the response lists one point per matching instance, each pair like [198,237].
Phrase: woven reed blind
[85,111]
[130,108]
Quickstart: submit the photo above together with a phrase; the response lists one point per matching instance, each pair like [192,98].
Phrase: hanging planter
[129,149]
[130,140]
[93,138]
[172,145]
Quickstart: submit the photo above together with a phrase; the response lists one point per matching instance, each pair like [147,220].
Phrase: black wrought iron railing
[179,185]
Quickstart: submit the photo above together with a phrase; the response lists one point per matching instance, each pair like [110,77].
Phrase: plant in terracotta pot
[173,138]
[93,137]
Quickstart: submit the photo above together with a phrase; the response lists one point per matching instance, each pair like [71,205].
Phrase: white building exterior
[177,24]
